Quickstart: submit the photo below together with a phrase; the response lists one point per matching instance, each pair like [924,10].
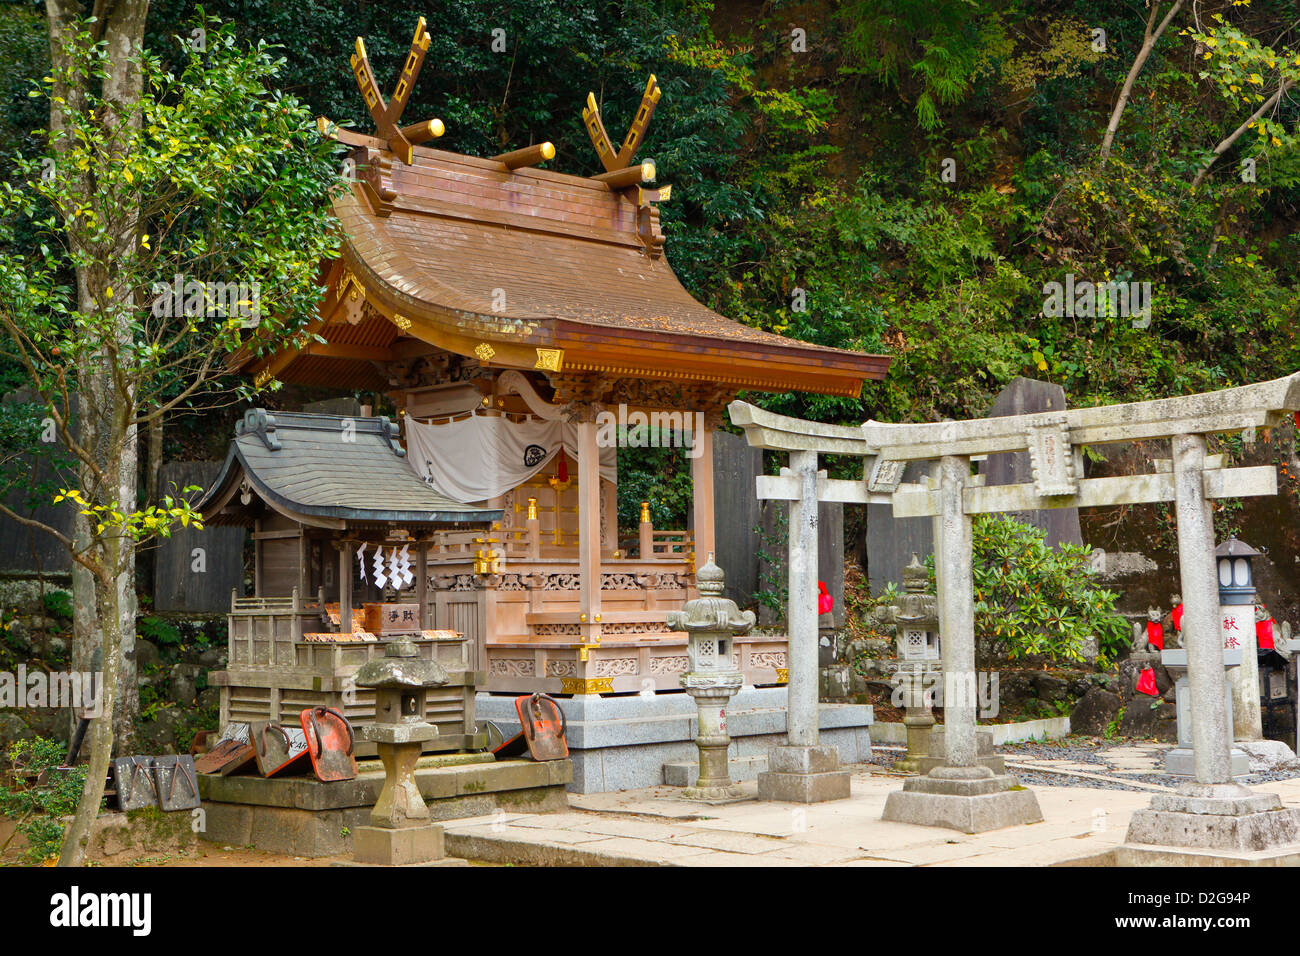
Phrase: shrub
[157,631]
[1033,600]
[40,808]
[58,604]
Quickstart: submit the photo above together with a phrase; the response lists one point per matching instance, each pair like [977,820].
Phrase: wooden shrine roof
[321,471]
[529,269]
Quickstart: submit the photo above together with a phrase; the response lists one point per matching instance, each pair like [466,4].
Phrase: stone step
[684,773]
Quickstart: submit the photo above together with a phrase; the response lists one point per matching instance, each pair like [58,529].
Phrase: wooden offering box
[386,619]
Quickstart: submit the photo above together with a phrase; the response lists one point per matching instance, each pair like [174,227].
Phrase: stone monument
[711,622]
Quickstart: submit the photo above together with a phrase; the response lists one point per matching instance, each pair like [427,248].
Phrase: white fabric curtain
[483,456]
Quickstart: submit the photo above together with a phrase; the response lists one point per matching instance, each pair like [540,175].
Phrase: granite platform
[633,741]
[303,816]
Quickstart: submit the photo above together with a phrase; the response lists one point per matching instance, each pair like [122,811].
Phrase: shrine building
[508,312]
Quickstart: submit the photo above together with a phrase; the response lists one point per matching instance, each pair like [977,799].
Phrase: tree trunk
[104,604]
[77,839]
[1149,38]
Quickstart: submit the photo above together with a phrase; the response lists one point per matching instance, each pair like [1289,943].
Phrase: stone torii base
[969,799]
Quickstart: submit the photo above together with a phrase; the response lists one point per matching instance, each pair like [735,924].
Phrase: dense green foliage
[1035,601]
[818,165]
[39,806]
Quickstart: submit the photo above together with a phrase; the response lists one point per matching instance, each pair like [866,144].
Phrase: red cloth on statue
[1147,683]
[1177,615]
[1155,634]
[1264,634]
[825,603]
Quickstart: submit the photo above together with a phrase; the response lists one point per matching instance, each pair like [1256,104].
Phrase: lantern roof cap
[1232,548]
[710,579]
[916,577]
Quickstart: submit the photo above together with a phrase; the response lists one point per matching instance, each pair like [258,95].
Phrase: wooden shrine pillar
[345,587]
[589,530]
[422,582]
[702,493]
[609,508]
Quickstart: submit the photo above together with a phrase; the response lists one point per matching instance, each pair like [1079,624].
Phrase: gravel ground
[1091,751]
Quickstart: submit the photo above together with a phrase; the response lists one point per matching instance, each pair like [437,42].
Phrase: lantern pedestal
[1180,762]
[918,718]
[400,833]
[711,694]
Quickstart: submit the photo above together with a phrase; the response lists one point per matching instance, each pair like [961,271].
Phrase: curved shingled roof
[531,269]
[318,470]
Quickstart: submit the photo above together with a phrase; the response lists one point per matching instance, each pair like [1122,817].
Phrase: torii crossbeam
[962,794]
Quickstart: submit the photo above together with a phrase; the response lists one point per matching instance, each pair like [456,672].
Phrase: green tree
[194,177]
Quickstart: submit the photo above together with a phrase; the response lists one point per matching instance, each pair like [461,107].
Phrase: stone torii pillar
[1210,813]
[801,770]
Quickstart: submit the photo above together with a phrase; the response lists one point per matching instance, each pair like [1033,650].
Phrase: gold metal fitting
[645,512]
[532,509]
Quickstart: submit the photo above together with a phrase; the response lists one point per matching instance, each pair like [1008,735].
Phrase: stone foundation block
[803,787]
[408,846]
[788,759]
[972,805]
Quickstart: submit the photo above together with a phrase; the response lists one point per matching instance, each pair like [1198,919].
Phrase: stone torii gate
[1211,811]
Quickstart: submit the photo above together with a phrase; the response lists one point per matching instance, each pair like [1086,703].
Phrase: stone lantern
[711,623]
[400,831]
[916,617]
[1235,563]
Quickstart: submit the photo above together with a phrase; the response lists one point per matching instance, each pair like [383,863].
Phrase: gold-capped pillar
[702,486]
[589,541]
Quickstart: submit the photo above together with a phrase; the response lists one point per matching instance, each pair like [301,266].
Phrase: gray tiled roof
[321,465]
